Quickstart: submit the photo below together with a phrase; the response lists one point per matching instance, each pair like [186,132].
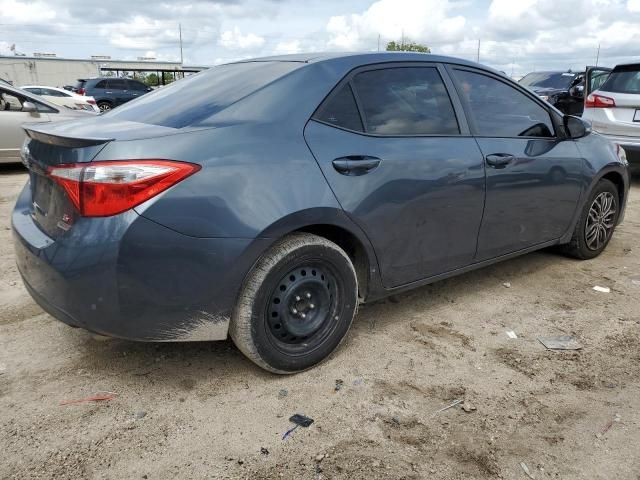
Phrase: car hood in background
[548,91]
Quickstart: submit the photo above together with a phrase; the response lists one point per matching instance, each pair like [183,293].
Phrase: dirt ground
[203,411]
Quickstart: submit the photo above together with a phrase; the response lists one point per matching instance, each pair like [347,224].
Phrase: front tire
[597,222]
[104,107]
[296,304]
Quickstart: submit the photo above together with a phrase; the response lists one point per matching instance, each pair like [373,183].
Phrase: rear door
[397,153]
[533,174]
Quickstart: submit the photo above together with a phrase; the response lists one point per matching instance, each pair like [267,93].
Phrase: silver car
[18,107]
[614,108]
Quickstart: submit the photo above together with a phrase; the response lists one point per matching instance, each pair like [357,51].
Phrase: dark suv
[109,92]
[565,90]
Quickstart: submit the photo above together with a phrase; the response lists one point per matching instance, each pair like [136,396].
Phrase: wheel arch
[334,225]
[620,179]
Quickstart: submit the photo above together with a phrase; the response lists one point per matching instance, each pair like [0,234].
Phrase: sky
[515,36]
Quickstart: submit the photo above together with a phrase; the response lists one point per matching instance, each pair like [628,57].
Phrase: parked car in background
[63,97]
[565,90]
[265,199]
[614,108]
[18,107]
[109,92]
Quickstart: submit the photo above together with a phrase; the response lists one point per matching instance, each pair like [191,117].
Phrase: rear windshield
[548,80]
[80,84]
[190,101]
[623,80]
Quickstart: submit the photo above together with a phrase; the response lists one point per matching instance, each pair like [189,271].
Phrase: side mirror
[576,127]
[29,107]
[577,91]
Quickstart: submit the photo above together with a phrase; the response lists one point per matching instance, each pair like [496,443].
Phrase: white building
[58,72]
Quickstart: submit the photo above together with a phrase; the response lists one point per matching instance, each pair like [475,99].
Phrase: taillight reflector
[599,101]
[102,189]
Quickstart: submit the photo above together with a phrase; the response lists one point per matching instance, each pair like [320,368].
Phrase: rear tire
[296,304]
[597,222]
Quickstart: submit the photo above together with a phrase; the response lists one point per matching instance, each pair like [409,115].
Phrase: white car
[63,97]
[18,107]
[614,108]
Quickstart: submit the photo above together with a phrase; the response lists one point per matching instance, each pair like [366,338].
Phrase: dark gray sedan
[265,199]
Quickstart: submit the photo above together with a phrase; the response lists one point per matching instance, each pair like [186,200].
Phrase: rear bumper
[128,277]
[630,144]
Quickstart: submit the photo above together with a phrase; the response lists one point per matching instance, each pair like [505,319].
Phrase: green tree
[405,46]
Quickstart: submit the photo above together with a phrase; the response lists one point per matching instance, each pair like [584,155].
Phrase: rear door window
[101,84]
[500,110]
[340,110]
[405,101]
[625,79]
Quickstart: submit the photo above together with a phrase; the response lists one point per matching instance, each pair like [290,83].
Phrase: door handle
[499,160]
[355,165]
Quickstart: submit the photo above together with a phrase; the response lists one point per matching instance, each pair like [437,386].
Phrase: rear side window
[499,110]
[405,101]
[100,84]
[340,109]
[623,80]
[192,100]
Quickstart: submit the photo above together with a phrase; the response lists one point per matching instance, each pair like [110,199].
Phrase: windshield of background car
[548,80]
[189,101]
[624,79]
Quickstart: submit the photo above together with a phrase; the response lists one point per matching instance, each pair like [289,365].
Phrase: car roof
[42,86]
[23,93]
[366,57]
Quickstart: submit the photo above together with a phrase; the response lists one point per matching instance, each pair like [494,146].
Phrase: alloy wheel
[600,221]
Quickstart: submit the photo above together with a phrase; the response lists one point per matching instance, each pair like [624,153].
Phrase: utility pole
[378,42]
[478,54]
[598,55]
[402,41]
[180,33]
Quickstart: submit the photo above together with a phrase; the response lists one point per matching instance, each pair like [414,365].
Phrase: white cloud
[423,21]
[633,6]
[283,48]
[14,11]
[235,40]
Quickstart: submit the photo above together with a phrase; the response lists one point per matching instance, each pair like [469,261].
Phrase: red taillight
[101,189]
[81,91]
[599,101]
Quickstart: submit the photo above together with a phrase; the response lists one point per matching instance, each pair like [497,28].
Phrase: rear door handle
[499,160]
[355,165]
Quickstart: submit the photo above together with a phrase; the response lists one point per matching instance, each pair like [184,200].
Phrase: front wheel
[296,304]
[104,106]
[596,223]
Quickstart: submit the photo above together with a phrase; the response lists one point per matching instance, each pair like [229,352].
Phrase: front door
[403,167]
[534,176]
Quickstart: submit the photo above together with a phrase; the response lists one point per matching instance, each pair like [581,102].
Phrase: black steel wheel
[296,305]
[597,222]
